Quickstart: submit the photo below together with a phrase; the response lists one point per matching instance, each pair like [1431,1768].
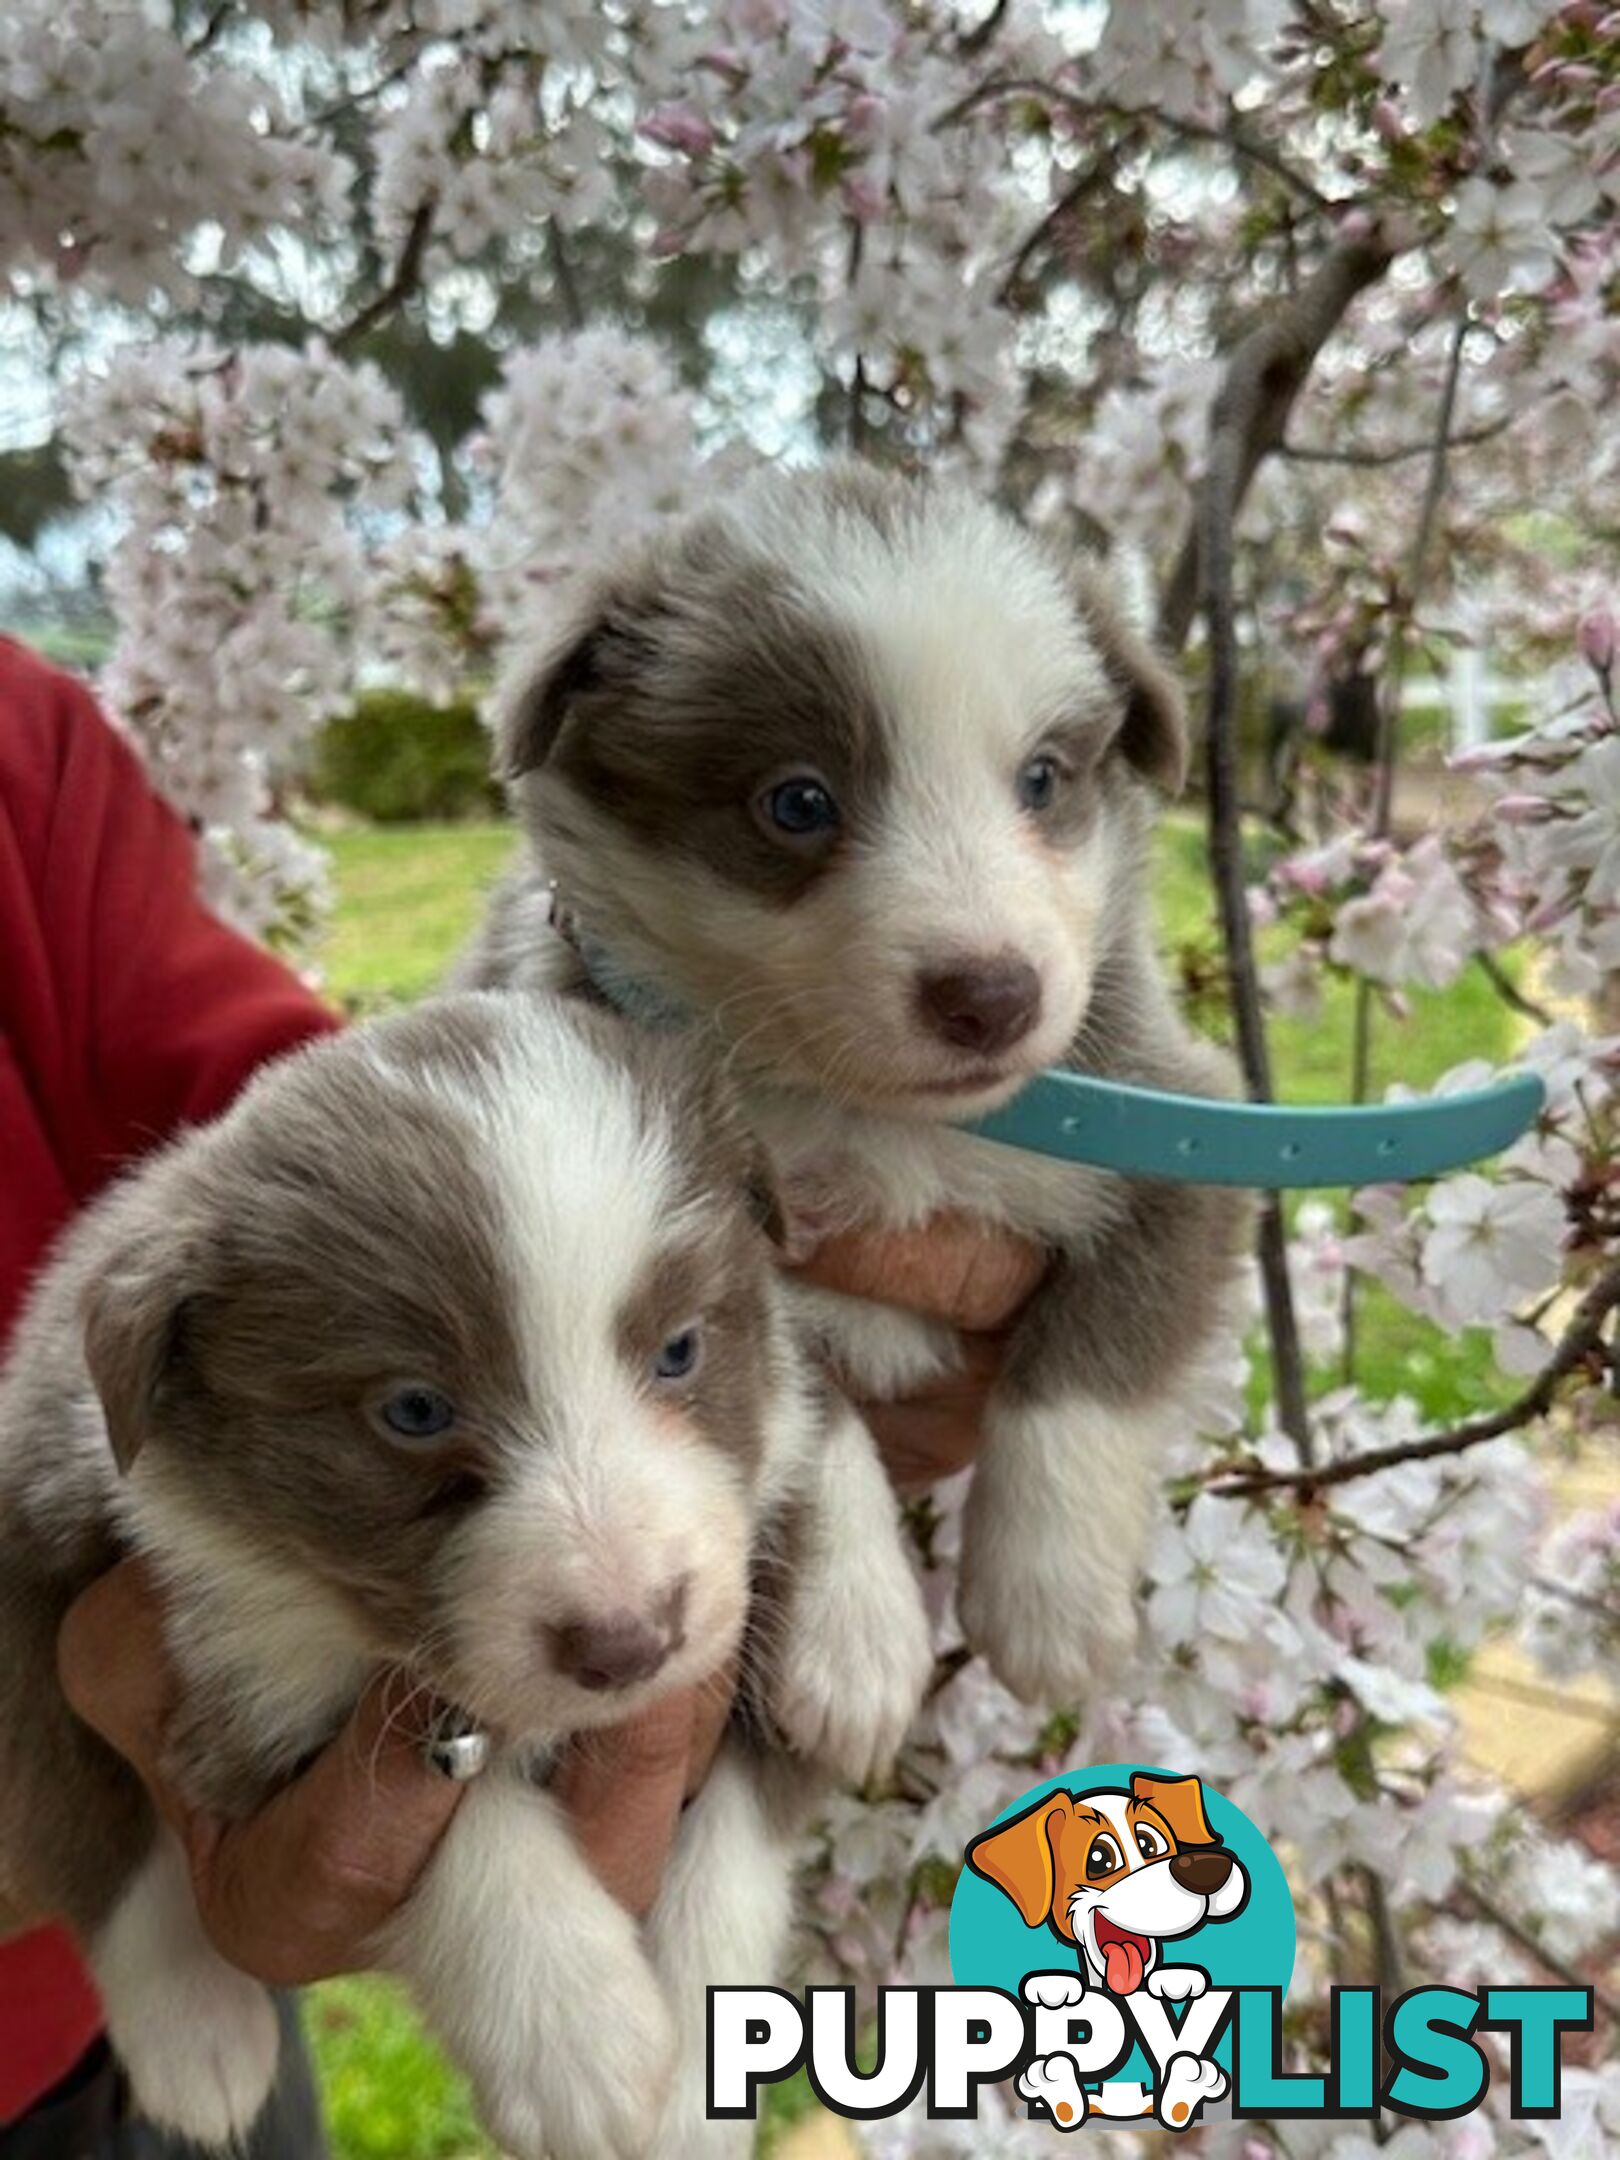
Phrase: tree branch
[1397,453]
[1509,992]
[1228,135]
[1231,426]
[215,23]
[1085,182]
[1389,718]
[407,276]
[1581,1342]
[1518,1934]
[1265,374]
[562,273]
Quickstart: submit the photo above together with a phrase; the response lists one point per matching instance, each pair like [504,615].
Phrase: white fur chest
[841,1169]
[848,1168]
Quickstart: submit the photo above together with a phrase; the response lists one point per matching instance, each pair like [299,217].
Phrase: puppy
[453,1345]
[854,778]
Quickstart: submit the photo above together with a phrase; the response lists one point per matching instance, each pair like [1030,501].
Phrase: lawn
[406,897]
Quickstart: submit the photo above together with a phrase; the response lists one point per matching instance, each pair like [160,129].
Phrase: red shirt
[126,1011]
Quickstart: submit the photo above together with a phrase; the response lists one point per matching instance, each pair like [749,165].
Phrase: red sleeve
[126,1011]
[129,1008]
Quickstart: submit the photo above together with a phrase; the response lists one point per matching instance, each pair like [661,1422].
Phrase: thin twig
[1581,1341]
[973,42]
[858,430]
[1509,992]
[562,272]
[407,275]
[1389,718]
[215,23]
[1396,453]
[1388,746]
[1516,1932]
[1085,182]
[1229,135]
[1231,423]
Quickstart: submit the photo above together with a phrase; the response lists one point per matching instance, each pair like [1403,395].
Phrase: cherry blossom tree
[1305,313]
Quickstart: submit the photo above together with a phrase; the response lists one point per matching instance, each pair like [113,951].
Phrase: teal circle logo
[1141,1881]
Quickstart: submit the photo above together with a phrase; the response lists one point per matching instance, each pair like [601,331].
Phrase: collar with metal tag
[1189,1139]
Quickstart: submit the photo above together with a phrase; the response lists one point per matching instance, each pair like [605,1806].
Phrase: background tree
[369,323]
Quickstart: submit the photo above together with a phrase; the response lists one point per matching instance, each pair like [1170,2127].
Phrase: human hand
[298,1891]
[973,1276]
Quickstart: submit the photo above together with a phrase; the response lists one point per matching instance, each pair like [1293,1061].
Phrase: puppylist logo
[1121,1943]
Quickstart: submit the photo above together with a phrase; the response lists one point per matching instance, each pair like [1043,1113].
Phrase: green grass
[388,2093]
[407,897]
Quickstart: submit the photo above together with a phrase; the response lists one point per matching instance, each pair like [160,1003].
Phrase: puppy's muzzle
[1201,1872]
[621,1649]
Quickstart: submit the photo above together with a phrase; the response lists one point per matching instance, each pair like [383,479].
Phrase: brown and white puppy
[455,1344]
[855,776]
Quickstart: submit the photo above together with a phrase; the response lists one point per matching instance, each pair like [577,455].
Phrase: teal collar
[1194,1141]
[1190,1139]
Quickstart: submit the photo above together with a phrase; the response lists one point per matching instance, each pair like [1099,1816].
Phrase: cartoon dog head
[1115,1873]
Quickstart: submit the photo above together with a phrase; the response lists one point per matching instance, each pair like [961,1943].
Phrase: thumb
[372,1808]
[623,1789]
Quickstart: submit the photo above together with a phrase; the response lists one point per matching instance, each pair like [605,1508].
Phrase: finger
[920,1443]
[710,1716]
[623,1789]
[954,1268]
[300,1891]
[937,1431]
[113,1666]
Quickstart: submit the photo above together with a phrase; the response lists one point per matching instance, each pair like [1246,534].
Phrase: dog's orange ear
[1018,1857]
[1180,1800]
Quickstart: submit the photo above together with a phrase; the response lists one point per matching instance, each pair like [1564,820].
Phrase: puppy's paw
[1050,2082]
[1178,1983]
[197,2038]
[1052,1631]
[588,2078]
[1054,1990]
[199,2045]
[1188,2084]
[855,1659]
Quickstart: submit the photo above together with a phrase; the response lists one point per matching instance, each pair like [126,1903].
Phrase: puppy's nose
[981,1005]
[615,1650]
[1201,1872]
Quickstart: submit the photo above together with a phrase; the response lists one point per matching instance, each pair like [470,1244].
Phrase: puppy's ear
[1181,1802]
[602,645]
[1153,733]
[133,1314]
[1018,1857]
[529,722]
[764,1201]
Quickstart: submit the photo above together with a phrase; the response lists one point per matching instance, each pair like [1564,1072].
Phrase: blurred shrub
[396,759]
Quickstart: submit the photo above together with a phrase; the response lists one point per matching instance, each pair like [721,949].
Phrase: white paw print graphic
[1189,2082]
[1051,2080]
[1178,1983]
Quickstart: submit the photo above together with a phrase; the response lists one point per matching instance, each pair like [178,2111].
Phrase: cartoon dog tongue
[1123,1963]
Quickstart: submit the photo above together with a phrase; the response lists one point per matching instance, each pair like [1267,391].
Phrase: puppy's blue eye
[678,1359]
[417,1413]
[1038,782]
[801,807]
